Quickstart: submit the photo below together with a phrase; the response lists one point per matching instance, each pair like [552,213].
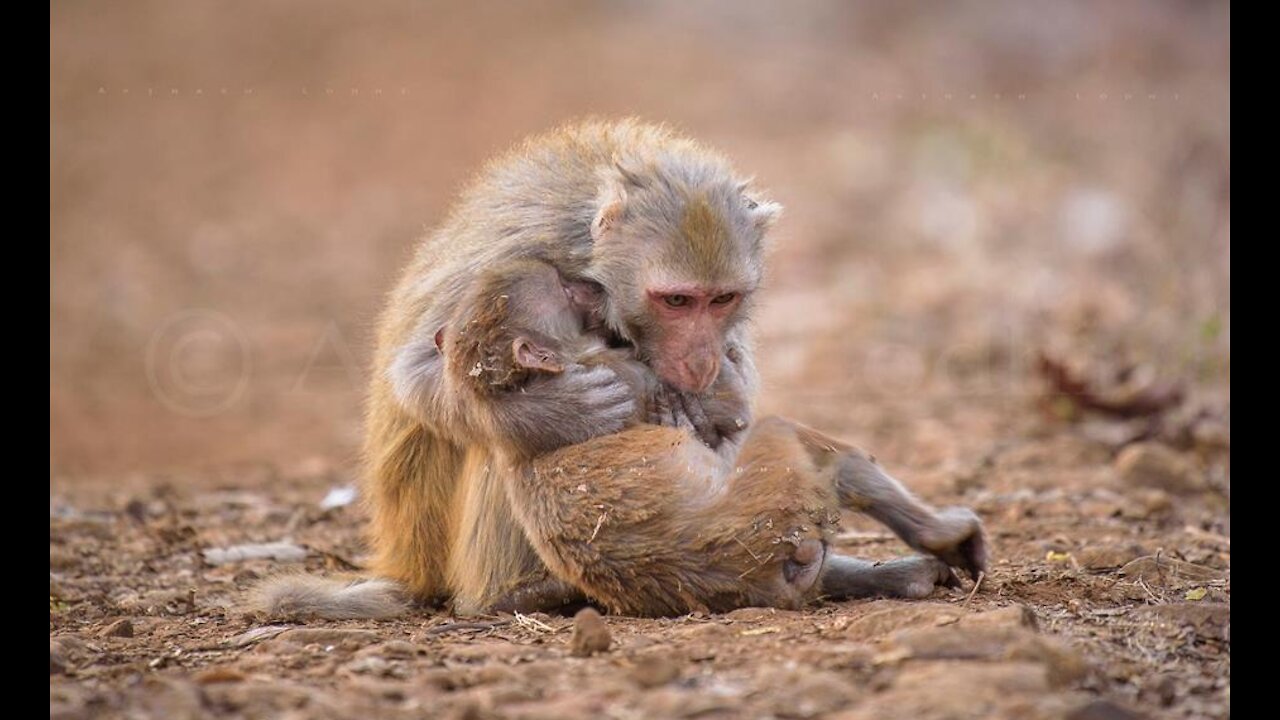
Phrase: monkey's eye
[724,299]
[675,300]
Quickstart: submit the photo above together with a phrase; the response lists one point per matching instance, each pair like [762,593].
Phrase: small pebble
[122,628]
[590,633]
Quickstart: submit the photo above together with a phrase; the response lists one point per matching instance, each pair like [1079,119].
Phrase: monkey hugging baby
[560,409]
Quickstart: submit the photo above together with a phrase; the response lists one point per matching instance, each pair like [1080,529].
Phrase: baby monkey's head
[521,321]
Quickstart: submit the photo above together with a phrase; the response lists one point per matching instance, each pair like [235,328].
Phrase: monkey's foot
[538,595]
[956,537]
[912,578]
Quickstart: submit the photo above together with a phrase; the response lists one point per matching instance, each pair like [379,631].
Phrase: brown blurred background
[233,187]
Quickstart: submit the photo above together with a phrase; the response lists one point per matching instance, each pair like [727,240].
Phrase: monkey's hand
[675,408]
[955,536]
[721,413]
[727,403]
[573,406]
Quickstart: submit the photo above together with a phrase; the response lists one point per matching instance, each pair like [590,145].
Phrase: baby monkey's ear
[587,298]
[439,338]
[584,294]
[529,354]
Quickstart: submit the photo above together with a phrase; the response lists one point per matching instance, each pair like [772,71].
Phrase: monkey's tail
[331,599]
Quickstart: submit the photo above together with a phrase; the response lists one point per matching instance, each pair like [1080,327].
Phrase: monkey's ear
[611,203]
[439,338]
[630,177]
[529,355]
[584,294]
[764,213]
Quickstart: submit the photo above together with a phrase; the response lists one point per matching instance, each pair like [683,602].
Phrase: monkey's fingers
[572,407]
[682,420]
[599,377]
[671,410]
[660,412]
[702,427]
[607,397]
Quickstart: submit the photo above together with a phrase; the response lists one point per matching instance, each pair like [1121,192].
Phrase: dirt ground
[1102,596]
[1004,268]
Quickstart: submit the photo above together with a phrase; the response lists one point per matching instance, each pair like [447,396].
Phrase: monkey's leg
[845,577]
[953,534]
[548,593]
[409,483]
[490,556]
[810,457]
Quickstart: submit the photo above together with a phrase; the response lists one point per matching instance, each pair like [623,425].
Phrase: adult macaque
[668,232]
[666,240]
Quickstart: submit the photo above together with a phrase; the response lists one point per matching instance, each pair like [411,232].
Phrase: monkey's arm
[544,414]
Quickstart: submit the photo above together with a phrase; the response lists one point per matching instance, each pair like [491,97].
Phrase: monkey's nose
[700,375]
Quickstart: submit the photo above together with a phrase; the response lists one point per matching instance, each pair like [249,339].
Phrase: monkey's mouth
[801,570]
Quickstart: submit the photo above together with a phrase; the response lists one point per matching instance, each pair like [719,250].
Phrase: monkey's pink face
[689,333]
